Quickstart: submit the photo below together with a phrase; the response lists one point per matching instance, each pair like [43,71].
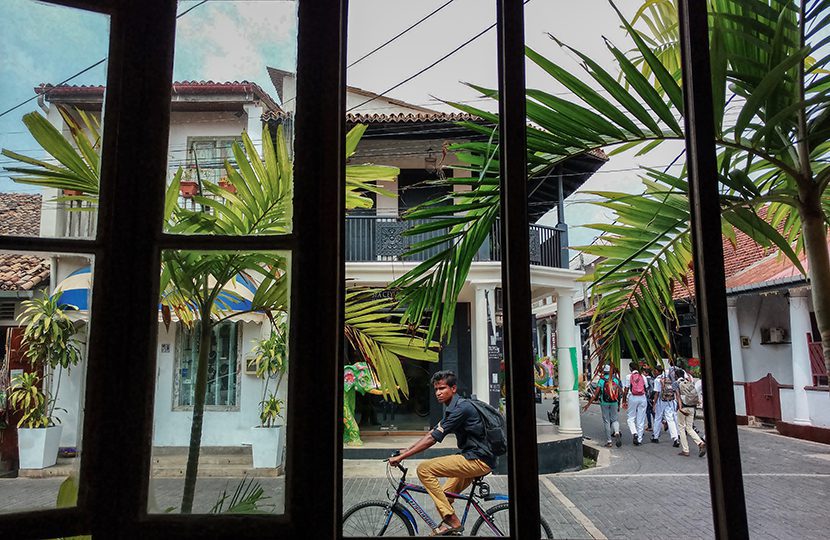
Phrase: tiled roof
[20,216]
[22,272]
[384,118]
[747,266]
[246,88]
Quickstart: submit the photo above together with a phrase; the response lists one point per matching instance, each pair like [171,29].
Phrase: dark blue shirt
[462,420]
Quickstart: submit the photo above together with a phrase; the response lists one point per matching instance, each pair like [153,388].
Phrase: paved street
[644,492]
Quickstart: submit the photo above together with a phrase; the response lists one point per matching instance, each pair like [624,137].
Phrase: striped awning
[236,296]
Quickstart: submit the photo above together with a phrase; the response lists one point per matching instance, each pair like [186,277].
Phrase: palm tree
[773,155]
[195,284]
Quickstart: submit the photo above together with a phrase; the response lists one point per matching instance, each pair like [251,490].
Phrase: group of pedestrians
[656,400]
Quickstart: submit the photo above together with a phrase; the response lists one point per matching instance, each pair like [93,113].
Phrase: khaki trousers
[459,472]
[685,424]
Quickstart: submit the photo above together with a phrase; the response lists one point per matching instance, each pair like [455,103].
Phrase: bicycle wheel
[499,515]
[371,518]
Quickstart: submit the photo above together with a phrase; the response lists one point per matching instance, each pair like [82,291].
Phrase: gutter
[766,285]
[17,294]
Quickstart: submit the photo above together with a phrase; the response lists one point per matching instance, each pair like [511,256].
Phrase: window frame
[127,257]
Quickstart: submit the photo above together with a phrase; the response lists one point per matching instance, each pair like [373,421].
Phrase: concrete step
[230,471]
[209,459]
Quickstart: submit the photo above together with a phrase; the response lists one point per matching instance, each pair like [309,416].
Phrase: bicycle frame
[403,492]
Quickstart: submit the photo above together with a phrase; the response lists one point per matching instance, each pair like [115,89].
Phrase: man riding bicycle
[475,459]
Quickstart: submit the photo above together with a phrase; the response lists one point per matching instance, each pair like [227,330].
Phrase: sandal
[448,531]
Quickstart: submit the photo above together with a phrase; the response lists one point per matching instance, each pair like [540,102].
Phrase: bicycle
[391,518]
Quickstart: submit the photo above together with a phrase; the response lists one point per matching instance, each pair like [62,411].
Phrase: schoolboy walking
[608,392]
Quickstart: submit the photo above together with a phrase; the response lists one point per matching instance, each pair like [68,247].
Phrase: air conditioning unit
[776,335]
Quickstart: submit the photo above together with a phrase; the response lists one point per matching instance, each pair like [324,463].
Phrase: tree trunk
[814,230]
[200,392]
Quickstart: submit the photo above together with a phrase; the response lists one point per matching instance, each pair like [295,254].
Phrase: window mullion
[318,273]
[725,476]
[522,466]
[122,342]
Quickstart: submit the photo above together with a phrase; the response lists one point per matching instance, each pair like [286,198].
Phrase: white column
[549,338]
[736,353]
[799,328]
[481,387]
[254,123]
[539,339]
[569,421]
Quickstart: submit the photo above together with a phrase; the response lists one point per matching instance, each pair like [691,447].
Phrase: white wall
[787,397]
[221,428]
[819,408]
[754,313]
[203,124]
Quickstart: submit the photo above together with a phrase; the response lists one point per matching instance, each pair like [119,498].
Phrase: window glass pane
[221,392]
[51,95]
[223,364]
[232,114]
[619,216]
[44,323]
[421,200]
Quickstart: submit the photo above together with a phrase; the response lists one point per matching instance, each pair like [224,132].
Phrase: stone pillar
[566,353]
[736,353]
[799,328]
[481,387]
[539,350]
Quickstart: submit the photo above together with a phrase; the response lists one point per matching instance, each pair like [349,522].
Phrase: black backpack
[495,427]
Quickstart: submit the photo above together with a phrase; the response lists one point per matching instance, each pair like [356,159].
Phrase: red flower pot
[188,188]
[224,184]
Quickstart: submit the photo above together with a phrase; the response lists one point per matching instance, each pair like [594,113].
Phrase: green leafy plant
[772,161]
[270,361]
[26,396]
[247,498]
[50,344]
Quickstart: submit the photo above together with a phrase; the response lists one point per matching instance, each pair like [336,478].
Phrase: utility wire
[78,74]
[432,65]
[411,27]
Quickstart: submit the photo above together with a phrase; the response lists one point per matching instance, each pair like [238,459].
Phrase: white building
[208,117]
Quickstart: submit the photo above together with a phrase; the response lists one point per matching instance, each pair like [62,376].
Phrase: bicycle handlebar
[398,465]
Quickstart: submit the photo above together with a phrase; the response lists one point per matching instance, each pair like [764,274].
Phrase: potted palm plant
[269,359]
[50,345]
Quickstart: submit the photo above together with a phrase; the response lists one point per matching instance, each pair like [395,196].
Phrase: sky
[225,40]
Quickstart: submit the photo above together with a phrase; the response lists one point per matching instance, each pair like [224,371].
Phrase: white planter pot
[38,447]
[267,446]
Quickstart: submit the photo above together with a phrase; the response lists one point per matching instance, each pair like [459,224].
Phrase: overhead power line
[78,74]
[432,65]
[407,29]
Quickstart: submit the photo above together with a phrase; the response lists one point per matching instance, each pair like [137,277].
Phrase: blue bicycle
[391,518]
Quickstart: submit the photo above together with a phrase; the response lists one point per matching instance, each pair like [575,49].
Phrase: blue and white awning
[75,289]
[237,295]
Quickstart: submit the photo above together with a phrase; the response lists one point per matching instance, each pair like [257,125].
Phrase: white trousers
[637,415]
[665,410]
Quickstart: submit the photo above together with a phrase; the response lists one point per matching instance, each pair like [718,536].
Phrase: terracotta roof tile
[20,216]
[55,92]
[22,272]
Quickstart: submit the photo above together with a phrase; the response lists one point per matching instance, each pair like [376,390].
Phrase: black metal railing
[381,238]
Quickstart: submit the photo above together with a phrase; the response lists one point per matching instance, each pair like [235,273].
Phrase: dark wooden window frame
[119,403]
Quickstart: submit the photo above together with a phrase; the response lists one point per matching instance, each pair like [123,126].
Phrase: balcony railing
[81,219]
[381,238]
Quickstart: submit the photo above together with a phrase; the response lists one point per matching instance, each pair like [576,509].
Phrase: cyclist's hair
[447,376]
